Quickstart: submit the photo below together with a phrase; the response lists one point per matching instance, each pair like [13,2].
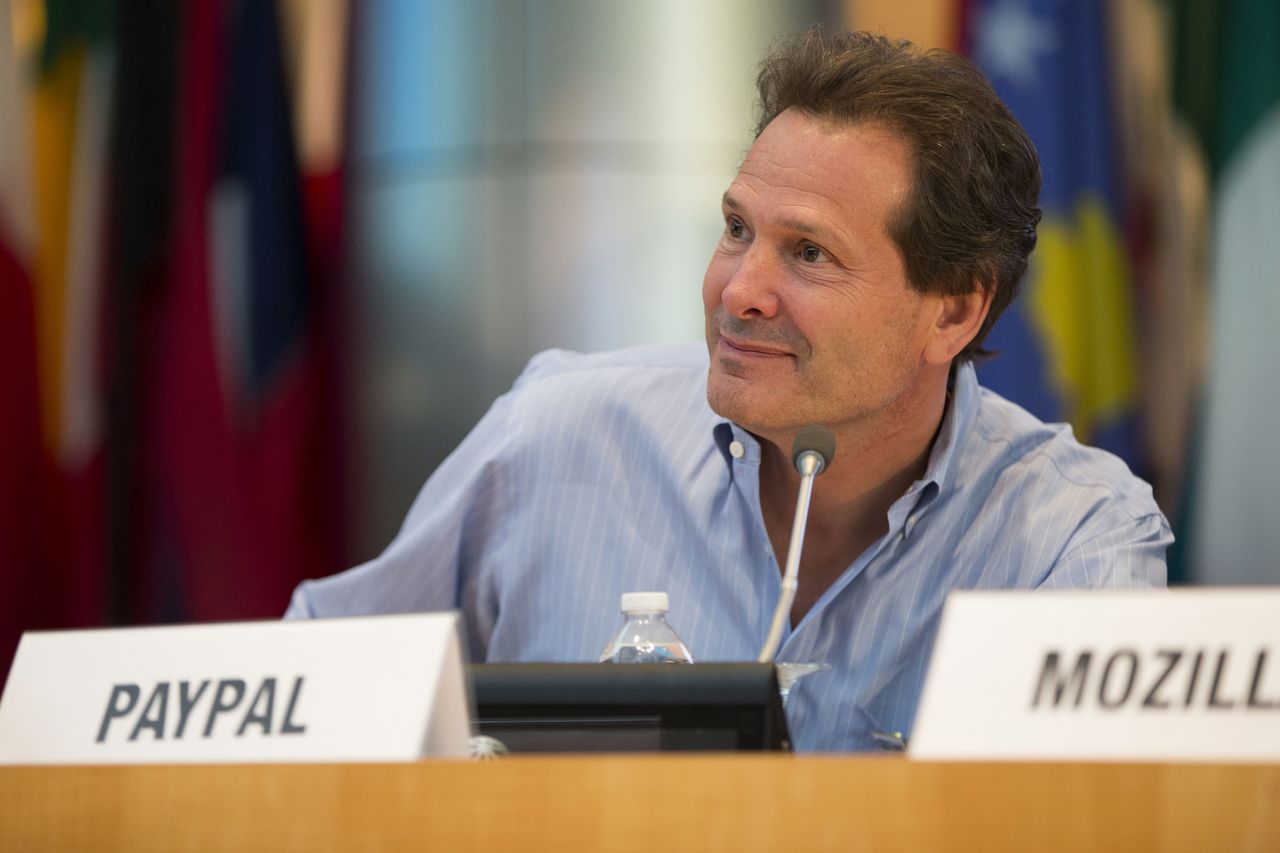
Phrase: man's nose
[752,290]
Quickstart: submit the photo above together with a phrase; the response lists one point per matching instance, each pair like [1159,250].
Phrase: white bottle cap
[644,602]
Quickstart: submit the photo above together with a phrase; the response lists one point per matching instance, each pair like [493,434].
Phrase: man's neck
[873,467]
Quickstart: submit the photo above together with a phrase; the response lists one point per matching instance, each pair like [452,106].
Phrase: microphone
[811,453]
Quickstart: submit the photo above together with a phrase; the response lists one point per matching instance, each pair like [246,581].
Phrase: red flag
[50,438]
[239,464]
[22,600]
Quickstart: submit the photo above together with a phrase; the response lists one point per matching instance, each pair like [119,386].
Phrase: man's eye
[736,228]
[812,254]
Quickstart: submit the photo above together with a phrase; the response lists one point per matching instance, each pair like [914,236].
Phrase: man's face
[809,314]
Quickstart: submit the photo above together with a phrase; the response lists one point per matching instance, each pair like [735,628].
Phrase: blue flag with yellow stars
[1066,345]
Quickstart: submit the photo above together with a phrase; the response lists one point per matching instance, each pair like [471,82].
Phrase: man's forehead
[797,145]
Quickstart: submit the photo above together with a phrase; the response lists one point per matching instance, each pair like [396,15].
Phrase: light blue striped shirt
[608,473]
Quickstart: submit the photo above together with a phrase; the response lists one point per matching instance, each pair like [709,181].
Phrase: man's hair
[972,215]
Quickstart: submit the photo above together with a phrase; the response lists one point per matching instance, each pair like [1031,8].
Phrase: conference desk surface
[653,803]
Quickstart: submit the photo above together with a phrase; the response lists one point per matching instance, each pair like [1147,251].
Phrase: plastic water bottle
[645,637]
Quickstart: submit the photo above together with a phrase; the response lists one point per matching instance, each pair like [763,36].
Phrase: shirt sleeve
[1130,554]
[454,521]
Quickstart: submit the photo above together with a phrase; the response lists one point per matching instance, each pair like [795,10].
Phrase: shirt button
[736,450]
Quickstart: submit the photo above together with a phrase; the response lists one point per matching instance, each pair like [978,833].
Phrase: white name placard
[1181,675]
[385,688]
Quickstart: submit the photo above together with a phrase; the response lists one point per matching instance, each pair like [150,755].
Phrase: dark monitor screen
[589,707]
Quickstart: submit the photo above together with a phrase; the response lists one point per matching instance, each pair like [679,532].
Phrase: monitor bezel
[664,707]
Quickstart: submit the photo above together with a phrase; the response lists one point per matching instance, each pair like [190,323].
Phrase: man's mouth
[751,348]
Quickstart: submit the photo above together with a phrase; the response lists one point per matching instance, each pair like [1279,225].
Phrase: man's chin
[745,405]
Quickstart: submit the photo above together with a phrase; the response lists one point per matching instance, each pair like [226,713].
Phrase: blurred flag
[169,319]
[1229,88]
[141,203]
[1167,190]
[240,458]
[58,71]
[21,452]
[1067,349]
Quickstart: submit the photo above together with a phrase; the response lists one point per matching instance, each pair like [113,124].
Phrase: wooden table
[652,803]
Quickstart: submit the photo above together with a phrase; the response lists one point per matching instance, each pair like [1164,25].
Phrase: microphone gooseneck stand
[811,453]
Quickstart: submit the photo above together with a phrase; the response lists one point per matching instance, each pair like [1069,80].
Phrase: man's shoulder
[1051,461]
[631,363]
[1064,514]
[654,384]
[663,369]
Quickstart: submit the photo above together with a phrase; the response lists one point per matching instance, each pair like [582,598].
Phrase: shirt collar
[727,434]
[962,405]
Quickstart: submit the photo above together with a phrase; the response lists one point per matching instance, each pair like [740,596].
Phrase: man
[879,224]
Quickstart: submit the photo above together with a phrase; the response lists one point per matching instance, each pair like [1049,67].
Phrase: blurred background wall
[264,263]
[529,175]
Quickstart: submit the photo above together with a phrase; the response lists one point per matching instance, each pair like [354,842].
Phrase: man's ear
[957,322]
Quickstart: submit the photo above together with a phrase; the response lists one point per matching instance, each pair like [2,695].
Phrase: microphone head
[814,438]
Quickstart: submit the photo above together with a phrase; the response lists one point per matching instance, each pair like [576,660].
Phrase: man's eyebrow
[797,225]
[801,227]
